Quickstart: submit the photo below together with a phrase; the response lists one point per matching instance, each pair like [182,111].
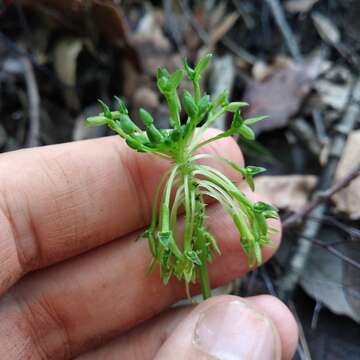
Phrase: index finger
[62,200]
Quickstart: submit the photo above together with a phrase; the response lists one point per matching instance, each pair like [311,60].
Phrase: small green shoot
[187,256]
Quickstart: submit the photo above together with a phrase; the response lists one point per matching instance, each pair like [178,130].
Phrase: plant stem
[204,281]
[203,269]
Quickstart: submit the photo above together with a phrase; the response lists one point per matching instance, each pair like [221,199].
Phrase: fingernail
[233,330]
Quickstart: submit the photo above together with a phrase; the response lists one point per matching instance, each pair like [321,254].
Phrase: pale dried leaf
[281,94]
[348,199]
[65,59]
[287,192]
[66,53]
[299,6]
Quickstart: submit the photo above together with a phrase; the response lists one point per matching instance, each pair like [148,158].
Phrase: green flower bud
[126,124]
[146,117]
[175,78]
[154,134]
[134,144]
[204,104]
[247,132]
[96,121]
[189,104]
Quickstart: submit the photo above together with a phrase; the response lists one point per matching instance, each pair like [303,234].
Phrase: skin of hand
[73,278]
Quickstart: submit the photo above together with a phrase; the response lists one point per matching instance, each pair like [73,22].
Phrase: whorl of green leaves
[186,256]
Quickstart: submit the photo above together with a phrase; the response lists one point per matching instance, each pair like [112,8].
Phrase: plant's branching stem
[211,118]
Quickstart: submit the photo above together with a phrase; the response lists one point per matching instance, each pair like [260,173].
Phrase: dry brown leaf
[286,192]
[348,200]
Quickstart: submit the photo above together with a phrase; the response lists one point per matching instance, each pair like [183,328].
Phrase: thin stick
[285,29]
[34,103]
[323,196]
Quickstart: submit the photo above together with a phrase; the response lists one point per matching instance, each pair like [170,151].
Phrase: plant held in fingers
[186,257]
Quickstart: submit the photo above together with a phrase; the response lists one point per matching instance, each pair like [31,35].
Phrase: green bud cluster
[186,256]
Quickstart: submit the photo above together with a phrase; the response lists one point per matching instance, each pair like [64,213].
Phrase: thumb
[223,328]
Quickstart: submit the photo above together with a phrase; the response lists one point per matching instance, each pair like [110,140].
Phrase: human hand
[72,276]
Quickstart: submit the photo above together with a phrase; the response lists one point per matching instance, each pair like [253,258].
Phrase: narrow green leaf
[193,257]
[190,107]
[165,238]
[255,170]
[121,105]
[256,119]
[189,71]
[235,106]
[106,109]
[175,78]
[202,65]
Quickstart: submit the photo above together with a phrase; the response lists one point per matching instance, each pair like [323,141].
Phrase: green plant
[187,256]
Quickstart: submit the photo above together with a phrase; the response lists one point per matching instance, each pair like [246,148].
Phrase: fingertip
[223,327]
[283,320]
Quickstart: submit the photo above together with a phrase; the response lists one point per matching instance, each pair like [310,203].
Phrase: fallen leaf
[331,280]
[287,192]
[280,95]
[348,199]
[66,53]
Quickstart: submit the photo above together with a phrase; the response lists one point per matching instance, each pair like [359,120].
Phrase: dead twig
[330,247]
[33,135]
[285,29]
[320,197]
[206,39]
